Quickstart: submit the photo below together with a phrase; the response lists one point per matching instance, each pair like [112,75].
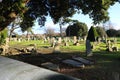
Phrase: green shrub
[3,35]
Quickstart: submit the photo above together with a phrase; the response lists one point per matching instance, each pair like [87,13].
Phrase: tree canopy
[31,10]
[101,31]
[111,32]
[77,29]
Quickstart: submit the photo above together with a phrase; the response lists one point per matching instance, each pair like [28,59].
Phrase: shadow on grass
[105,63]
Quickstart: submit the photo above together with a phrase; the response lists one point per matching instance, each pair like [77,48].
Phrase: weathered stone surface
[88,48]
[53,42]
[15,70]
[73,63]
[57,48]
[51,66]
[59,40]
[75,39]
[115,76]
[85,61]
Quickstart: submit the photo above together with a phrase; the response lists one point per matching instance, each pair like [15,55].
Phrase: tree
[111,32]
[108,25]
[14,25]
[101,32]
[49,32]
[9,10]
[31,10]
[118,33]
[92,34]
[77,29]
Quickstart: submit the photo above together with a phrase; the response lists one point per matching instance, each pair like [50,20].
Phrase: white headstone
[59,40]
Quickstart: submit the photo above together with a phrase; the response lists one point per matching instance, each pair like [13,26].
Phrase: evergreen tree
[78,29]
[92,34]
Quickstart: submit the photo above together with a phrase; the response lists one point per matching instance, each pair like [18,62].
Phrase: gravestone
[73,63]
[16,70]
[4,47]
[15,39]
[66,42]
[109,46]
[75,39]
[45,40]
[48,39]
[88,48]
[50,66]
[53,42]
[19,39]
[77,44]
[59,40]
[57,48]
[84,61]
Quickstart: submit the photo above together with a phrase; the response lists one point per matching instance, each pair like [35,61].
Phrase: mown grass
[38,43]
[105,62]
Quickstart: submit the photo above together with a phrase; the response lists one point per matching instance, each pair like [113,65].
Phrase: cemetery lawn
[105,63]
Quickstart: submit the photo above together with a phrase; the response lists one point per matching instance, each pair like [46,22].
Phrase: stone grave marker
[84,61]
[75,39]
[59,40]
[73,63]
[88,48]
[50,66]
[53,42]
[66,41]
[57,48]
[16,70]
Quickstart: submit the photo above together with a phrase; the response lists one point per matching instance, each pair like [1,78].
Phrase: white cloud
[50,24]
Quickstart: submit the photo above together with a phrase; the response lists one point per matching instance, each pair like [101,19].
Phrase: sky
[114,13]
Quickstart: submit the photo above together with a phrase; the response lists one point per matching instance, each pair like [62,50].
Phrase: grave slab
[50,66]
[16,70]
[84,61]
[73,63]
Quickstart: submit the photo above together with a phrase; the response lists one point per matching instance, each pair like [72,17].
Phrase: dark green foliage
[77,29]
[27,22]
[111,32]
[33,9]
[118,33]
[101,31]
[3,36]
[92,34]
[9,9]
